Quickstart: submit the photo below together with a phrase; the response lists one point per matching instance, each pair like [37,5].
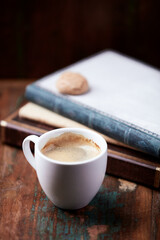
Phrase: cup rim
[78,131]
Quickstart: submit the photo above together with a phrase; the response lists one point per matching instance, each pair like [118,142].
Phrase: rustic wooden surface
[121,209]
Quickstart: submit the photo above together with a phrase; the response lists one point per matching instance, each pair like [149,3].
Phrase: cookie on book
[72,83]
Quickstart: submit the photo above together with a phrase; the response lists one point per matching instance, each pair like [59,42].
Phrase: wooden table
[121,209]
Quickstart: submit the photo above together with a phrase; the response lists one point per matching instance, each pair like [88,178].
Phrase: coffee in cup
[69,185]
[71,147]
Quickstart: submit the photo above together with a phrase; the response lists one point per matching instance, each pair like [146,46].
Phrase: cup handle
[27,150]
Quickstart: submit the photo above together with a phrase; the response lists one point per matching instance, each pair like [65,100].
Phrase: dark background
[39,37]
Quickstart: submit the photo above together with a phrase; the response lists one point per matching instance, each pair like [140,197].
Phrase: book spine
[121,131]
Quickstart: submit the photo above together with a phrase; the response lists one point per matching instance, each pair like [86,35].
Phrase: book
[42,115]
[123,161]
[123,102]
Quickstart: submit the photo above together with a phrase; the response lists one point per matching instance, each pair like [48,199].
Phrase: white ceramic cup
[69,185]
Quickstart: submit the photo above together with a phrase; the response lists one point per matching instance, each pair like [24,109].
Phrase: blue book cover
[123,101]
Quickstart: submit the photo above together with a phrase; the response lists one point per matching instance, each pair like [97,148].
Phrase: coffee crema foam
[70,147]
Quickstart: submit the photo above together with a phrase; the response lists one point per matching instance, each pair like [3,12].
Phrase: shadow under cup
[69,185]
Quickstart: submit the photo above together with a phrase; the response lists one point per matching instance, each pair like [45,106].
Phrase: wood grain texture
[120,210]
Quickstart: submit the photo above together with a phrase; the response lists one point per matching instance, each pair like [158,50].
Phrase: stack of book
[123,104]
